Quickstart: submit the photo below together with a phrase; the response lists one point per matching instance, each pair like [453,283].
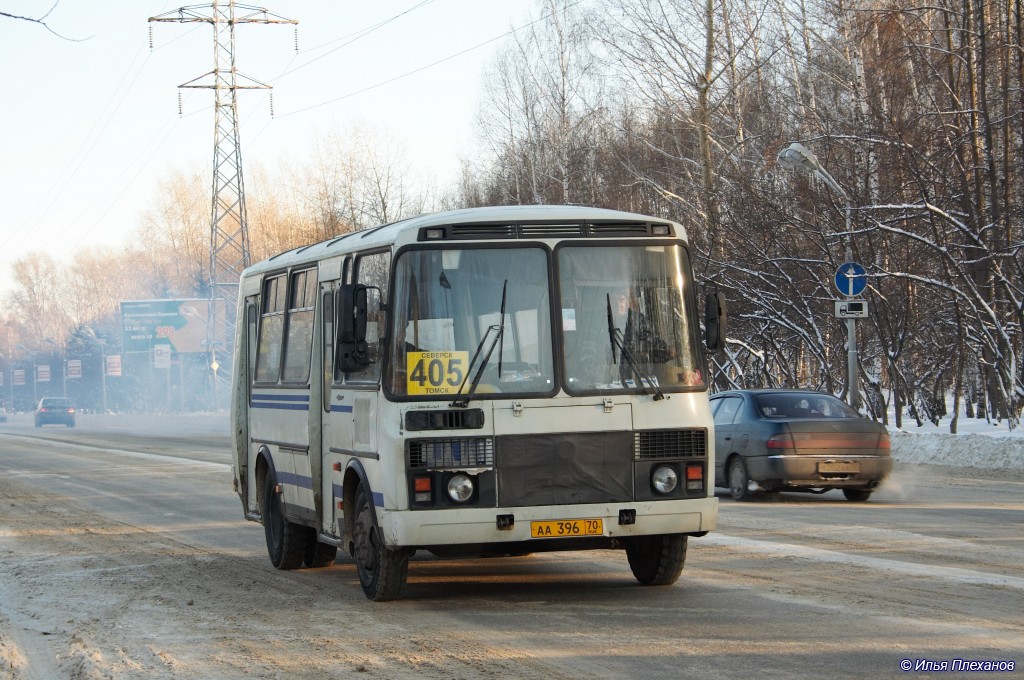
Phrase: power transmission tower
[229,232]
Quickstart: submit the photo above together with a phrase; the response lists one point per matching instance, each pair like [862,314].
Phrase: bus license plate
[563,528]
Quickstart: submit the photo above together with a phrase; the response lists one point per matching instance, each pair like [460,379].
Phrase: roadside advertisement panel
[113,367]
[180,324]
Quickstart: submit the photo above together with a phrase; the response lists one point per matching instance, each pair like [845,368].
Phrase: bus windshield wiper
[499,333]
[617,340]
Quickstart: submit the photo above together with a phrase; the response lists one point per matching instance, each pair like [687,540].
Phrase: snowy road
[123,555]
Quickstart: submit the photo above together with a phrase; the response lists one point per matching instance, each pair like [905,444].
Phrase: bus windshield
[627,316]
[448,323]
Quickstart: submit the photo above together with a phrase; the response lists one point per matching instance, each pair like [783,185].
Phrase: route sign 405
[435,372]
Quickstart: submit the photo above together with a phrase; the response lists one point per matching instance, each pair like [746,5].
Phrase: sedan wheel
[739,480]
[857,495]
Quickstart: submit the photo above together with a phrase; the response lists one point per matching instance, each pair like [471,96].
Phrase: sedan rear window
[802,406]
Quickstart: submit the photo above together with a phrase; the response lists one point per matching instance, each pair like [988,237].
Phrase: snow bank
[959,450]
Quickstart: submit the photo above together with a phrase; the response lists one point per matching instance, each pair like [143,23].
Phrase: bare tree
[42,21]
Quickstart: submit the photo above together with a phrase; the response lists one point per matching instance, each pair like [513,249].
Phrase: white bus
[492,381]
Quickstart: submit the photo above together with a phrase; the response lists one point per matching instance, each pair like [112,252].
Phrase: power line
[74,164]
[358,35]
[427,66]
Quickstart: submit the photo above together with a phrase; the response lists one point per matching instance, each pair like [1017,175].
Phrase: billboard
[182,324]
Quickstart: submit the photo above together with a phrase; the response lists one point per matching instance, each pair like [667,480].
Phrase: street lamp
[63,365]
[32,361]
[798,157]
[8,368]
[91,334]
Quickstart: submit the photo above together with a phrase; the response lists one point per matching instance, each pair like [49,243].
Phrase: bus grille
[564,468]
[620,229]
[463,231]
[666,444]
[530,230]
[550,230]
[450,453]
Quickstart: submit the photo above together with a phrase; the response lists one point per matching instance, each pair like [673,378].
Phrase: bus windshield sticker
[435,372]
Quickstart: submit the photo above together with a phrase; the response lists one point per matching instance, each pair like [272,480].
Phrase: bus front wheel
[382,571]
[286,541]
[657,560]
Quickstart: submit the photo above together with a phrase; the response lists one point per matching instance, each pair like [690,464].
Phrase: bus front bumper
[485,526]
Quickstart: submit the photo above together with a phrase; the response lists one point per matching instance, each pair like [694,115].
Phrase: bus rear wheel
[382,571]
[286,541]
[319,555]
[657,560]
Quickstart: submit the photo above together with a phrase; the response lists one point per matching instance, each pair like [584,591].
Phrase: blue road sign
[851,279]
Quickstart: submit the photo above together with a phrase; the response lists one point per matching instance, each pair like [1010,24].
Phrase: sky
[90,120]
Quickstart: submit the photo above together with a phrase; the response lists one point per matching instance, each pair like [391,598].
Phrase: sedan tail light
[781,442]
[883,441]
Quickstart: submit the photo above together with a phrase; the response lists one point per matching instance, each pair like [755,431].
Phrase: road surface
[123,554]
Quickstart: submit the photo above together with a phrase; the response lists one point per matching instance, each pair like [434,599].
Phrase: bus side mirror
[715,317]
[352,351]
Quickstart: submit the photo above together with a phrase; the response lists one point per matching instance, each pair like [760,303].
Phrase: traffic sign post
[851,279]
[851,309]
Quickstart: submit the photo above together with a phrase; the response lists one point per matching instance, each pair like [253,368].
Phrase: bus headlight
[664,479]
[460,487]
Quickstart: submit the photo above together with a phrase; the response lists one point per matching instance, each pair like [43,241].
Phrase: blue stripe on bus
[339,493]
[295,480]
[343,408]
[283,407]
[282,402]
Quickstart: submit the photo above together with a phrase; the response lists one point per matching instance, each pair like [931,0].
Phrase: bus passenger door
[245,367]
[337,419]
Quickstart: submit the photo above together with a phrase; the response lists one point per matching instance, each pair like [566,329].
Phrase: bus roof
[492,222]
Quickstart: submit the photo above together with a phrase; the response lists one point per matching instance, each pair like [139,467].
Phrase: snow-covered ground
[977,444]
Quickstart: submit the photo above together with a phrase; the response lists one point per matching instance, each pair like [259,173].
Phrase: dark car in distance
[55,411]
[796,440]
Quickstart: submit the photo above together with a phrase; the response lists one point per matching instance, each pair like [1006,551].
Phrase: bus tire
[319,555]
[286,541]
[657,560]
[382,571]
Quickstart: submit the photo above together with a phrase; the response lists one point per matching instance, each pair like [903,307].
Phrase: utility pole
[229,231]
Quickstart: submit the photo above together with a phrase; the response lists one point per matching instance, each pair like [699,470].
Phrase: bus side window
[299,343]
[268,354]
[252,316]
[328,340]
[373,271]
[346,277]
